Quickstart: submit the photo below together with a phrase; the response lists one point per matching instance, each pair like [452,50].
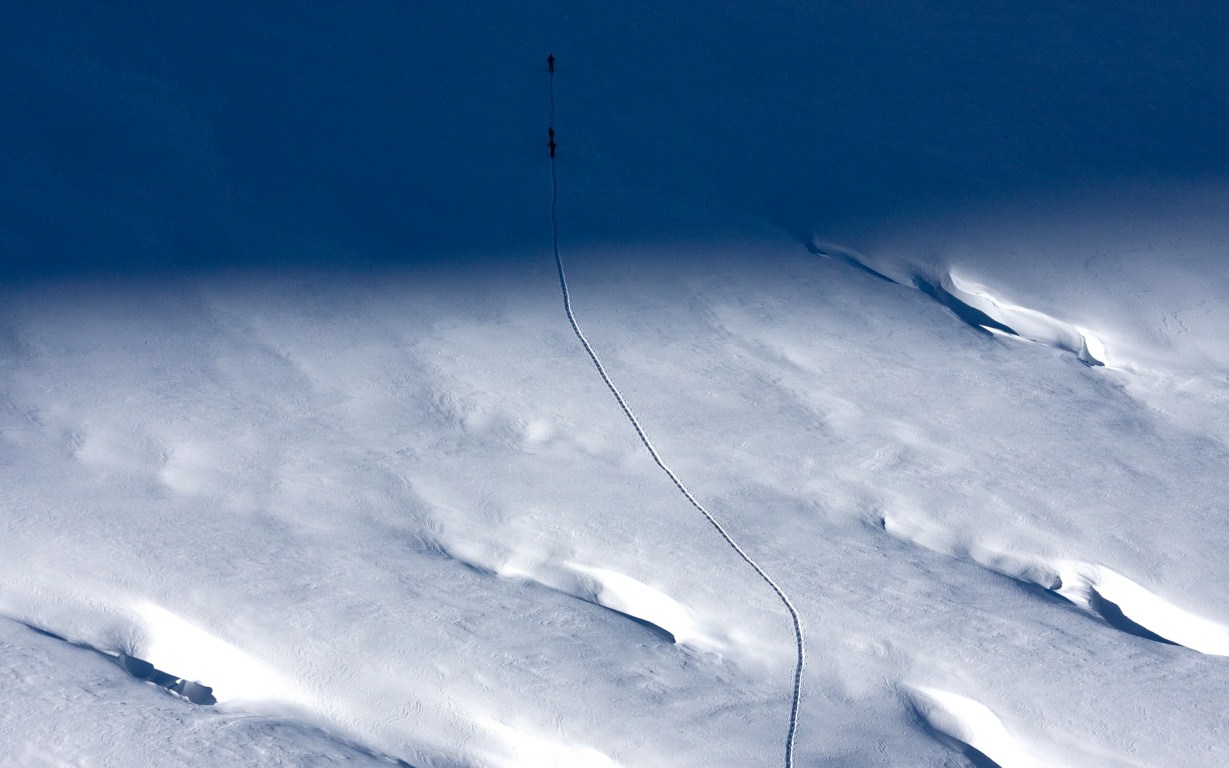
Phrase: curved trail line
[657,459]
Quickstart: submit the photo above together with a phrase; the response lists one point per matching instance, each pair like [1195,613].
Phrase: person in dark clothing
[550,63]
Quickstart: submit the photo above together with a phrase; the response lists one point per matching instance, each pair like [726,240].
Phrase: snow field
[287,402]
[433,473]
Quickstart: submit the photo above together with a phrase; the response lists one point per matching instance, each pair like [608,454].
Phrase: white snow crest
[518,748]
[623,595]
[973,724]
[1100,591]
[176,645]
[1029,323]
[1093,587]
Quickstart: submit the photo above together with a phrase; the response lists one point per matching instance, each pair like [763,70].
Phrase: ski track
[795,618]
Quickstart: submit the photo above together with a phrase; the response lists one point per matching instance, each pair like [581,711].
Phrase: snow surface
[927,306]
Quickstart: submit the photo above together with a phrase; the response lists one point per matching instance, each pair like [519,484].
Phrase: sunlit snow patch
[619,593]
[1132,608]
[1028,323]
[974,305]
[625,595]
[521,749]
[141,669]
[1098,590]
[1021,567]
[647,606]
[191,653]
[978,732]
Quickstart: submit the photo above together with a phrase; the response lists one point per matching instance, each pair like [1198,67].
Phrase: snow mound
[78,707]
[623,594]
[1098,590]
[184,649]
[978,732]
[849,257]
[1131,607]
[973,303]
[518,746]
[1027,323]
[630,598]
[189,690]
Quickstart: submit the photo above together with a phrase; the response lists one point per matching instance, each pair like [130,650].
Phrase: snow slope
[413,517]
[290,408]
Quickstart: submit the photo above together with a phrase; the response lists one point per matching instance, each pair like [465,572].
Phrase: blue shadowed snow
[145,137]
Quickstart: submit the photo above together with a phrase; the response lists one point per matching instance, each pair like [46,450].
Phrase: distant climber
[550,62]
[551,133]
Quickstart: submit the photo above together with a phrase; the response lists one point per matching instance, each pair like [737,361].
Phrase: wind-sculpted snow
[170,642]
[974,305]
[974,729]
[1098,590]
[660,614]
[76,701]
[190,690]
[398,516]
[1031,324]
[385,510]
[1131,607]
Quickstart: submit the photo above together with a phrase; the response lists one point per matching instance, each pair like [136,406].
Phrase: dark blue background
[170,137]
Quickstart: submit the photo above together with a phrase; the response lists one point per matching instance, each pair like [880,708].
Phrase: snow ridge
[975,306]
[973,726]
[795,619]
[1097,590]
[182,687]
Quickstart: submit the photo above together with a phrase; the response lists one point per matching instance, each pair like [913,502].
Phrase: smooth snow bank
[1090,586]
[972,723]
[520,746]
[1029,323]
[972,303]
[1100,591]
[620,593]
[626,596]
[1140,269]
[181,648]
[68,706]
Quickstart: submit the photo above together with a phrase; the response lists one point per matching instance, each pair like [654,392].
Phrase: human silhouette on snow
[550,64]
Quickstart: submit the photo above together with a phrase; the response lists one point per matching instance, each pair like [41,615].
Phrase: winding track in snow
[796,699]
